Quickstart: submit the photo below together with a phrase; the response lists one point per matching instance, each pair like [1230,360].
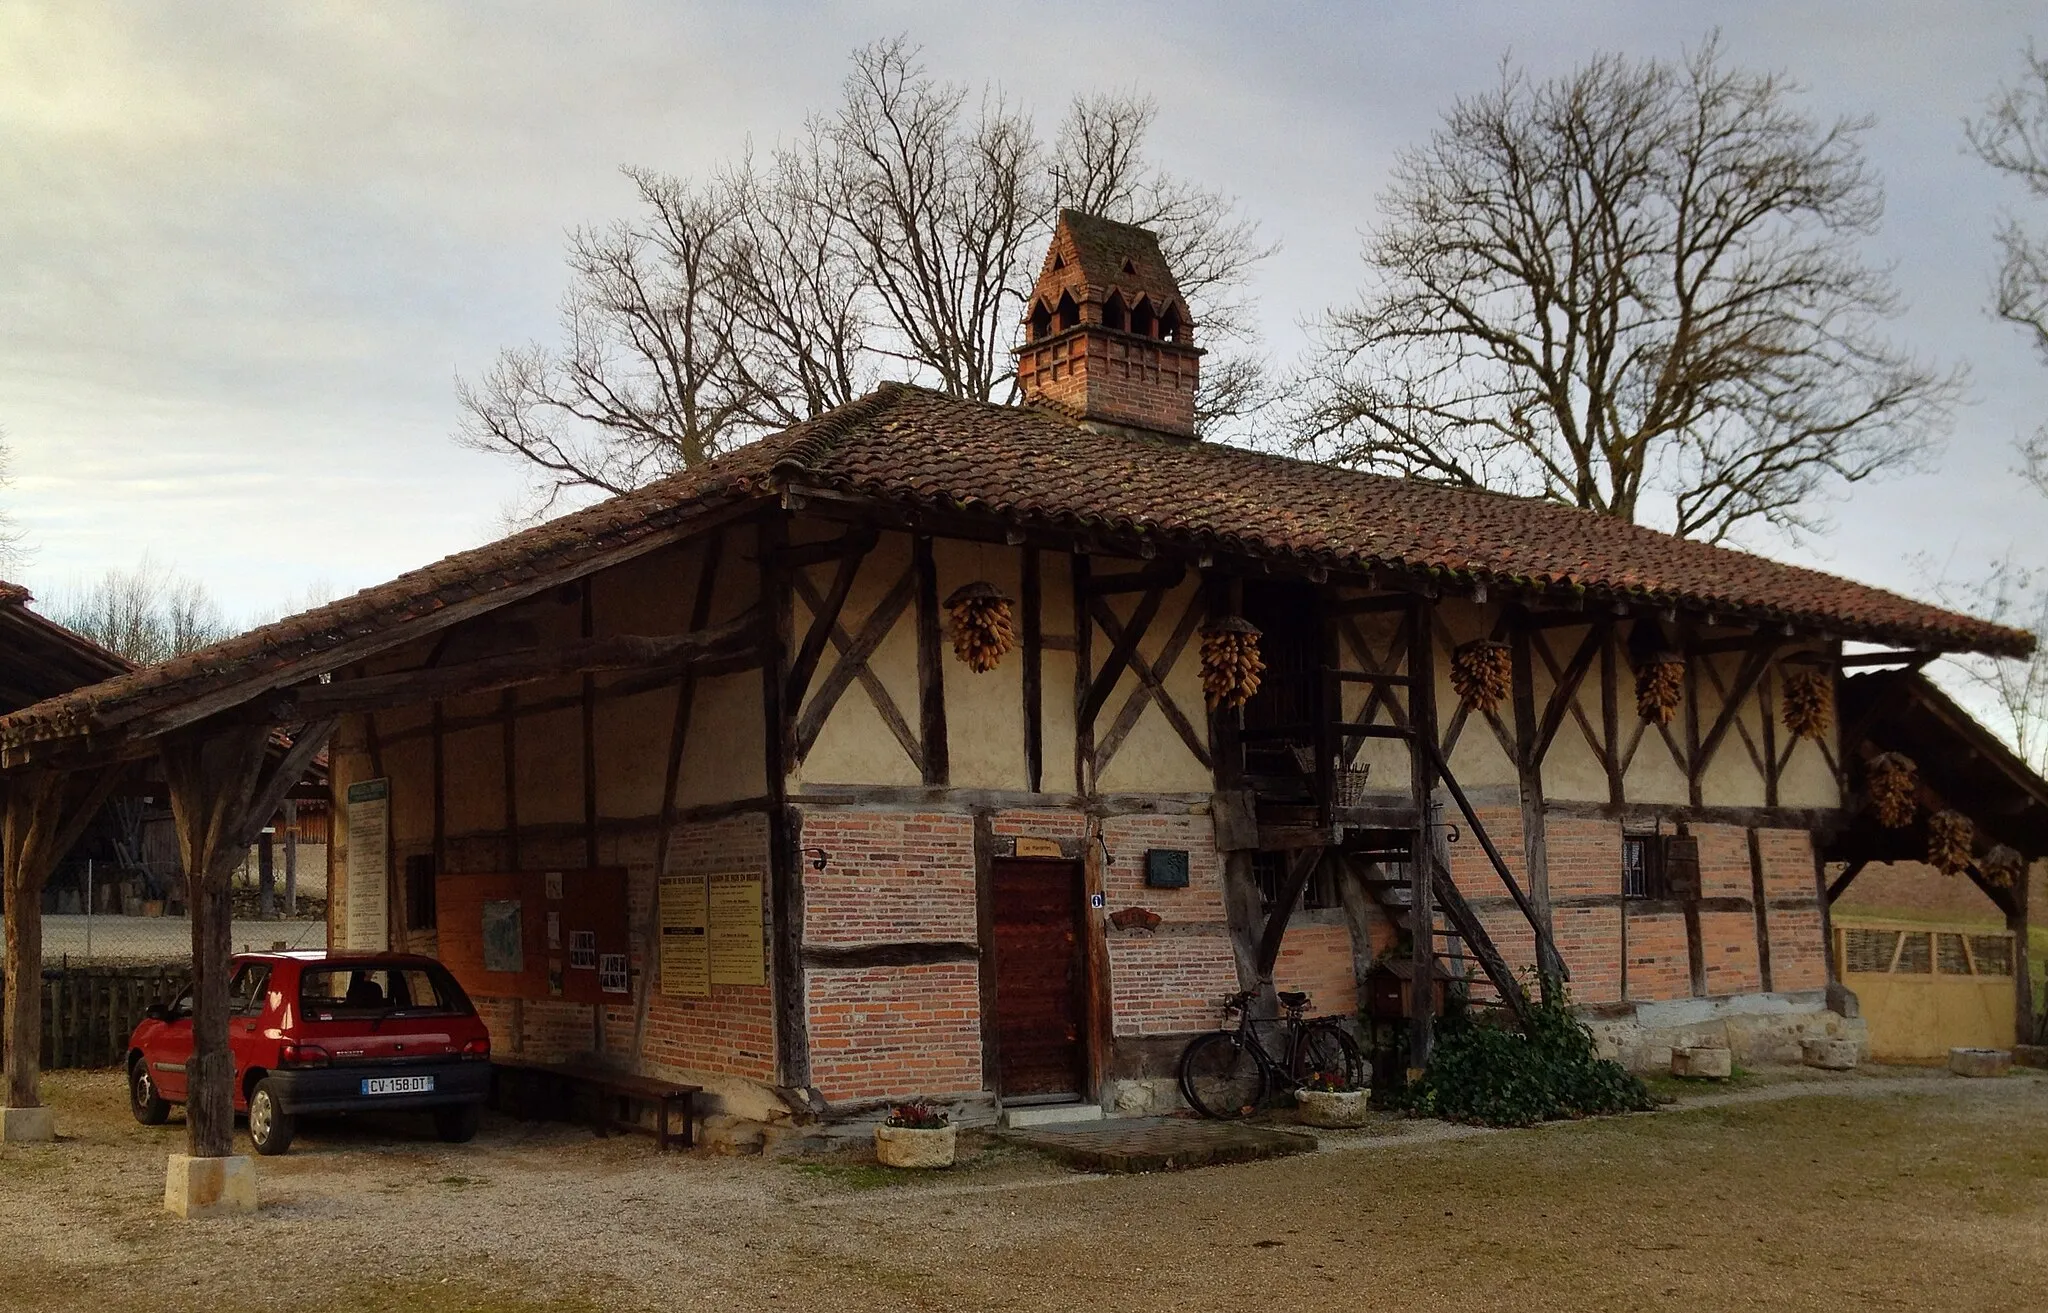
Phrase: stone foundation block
[1703,1063]
[2030,1055]
[28,1125]
[1979,1062]
[209,1187]
[1829,1054]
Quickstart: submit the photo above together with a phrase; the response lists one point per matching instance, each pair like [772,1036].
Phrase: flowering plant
[917,1116]
[1329,1082]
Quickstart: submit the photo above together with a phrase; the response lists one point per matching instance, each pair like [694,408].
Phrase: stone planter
[905,1146]
[1979,1062]
[1703,1063]
[1828,1054]
[1334,1111]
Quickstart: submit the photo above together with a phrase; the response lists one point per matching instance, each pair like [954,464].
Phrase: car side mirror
[156,1012]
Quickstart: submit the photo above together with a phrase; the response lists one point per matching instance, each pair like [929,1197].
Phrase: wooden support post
[291,857]
[1529,745]
[220,797]
[1034,672]
[1761,904]
[931,672]
[1433,851]
[1095,929]
[42,818]
[266,875]
[2024,1023]
[785,872]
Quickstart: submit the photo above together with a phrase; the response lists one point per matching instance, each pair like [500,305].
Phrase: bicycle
[1227,1074]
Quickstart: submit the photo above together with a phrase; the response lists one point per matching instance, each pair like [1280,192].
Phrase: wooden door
[1040,1042]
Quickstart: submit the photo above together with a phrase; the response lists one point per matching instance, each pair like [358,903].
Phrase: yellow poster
[685,943]
[737,953]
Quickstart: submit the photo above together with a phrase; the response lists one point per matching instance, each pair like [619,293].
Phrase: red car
[327,1032]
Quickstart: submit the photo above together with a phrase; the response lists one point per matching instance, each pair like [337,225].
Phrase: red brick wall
[733,1031]
[891,877]
[895,1032]
[1317,960]
[1728,939]
[1659,965]
[1168,984]
[1798,955]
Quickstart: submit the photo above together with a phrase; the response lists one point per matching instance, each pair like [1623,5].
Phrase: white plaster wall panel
[550,767]
[1653,773]
[474,761]
[723,759]
[633,736]
[984,711]
[1153,757]
[409,762]
[845,751]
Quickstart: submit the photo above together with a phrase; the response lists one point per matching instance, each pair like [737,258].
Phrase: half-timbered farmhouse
[912,751]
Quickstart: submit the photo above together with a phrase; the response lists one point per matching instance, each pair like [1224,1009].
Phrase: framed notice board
[537,934]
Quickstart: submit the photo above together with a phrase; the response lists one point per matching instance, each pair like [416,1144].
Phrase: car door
[248,994]
[171,1050]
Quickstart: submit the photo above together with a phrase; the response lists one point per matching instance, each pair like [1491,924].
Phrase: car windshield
[335,991]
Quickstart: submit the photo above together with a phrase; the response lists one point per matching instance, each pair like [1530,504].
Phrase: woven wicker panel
[1992,953]
[1871,950]
[1916,955]
[1950,957]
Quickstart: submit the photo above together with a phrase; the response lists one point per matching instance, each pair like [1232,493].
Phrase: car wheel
[458,1124]
[149,1107]
[270,1127]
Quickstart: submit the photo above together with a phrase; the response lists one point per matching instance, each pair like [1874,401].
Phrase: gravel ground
[1880,1190]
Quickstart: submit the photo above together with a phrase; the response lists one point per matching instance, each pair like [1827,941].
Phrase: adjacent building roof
[1036,468]
[40,658]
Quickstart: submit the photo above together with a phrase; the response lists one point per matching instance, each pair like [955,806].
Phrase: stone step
[1050,1114]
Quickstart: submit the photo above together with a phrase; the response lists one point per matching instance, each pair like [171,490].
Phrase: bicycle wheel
[1220,1078]
[1327,1047]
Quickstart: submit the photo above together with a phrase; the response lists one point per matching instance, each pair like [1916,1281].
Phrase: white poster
[369,865]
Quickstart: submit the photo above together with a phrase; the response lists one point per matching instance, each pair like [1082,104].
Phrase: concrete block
[2030,1055]
[1979,1062]
[209,1187]
[28,1125]
[1829,1054]
[1051,1114]
[1703,1063]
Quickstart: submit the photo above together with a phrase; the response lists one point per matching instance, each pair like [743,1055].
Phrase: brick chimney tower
[1107,337]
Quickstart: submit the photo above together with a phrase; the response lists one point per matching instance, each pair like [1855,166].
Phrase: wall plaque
[685,941]
[1030,847]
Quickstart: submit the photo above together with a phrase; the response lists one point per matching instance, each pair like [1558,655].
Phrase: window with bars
[1270,870]
[1643,866]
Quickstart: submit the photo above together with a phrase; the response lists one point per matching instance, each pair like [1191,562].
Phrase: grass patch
[856,1176]
[1666,1086]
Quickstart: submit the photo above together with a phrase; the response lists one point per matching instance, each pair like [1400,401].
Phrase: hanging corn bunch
[2002,865]
[1230,662]
[1480,672]
[1949,836]
[1660,687]
[982,633]
[1809,703]
[1892,780]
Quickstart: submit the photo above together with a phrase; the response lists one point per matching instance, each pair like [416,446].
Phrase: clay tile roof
[1104,247]
[1028,466]
[12,594]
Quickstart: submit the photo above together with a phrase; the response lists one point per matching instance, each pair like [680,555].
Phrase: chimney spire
[1107,336]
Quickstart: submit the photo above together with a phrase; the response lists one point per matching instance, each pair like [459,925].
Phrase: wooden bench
[558,1083]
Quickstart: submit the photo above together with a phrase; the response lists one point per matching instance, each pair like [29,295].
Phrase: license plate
[398,1085]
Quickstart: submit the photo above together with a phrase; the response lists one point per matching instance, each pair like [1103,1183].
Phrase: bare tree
[2009,694]
[148,614]
[13,539]
[896,235]
[1641,278]
[2012,137]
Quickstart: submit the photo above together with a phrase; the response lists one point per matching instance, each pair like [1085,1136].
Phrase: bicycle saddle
[1290,999]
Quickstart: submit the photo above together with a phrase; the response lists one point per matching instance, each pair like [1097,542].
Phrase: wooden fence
[89,1011]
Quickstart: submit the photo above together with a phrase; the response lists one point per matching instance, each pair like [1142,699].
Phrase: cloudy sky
[245,250]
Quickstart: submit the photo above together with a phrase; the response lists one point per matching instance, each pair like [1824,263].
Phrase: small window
[419,891]
[245,991]
[1041,321]
[1169,324]
[1141,318]
[1270,870]
[1113,315]
[1643,867]
[1069,313]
